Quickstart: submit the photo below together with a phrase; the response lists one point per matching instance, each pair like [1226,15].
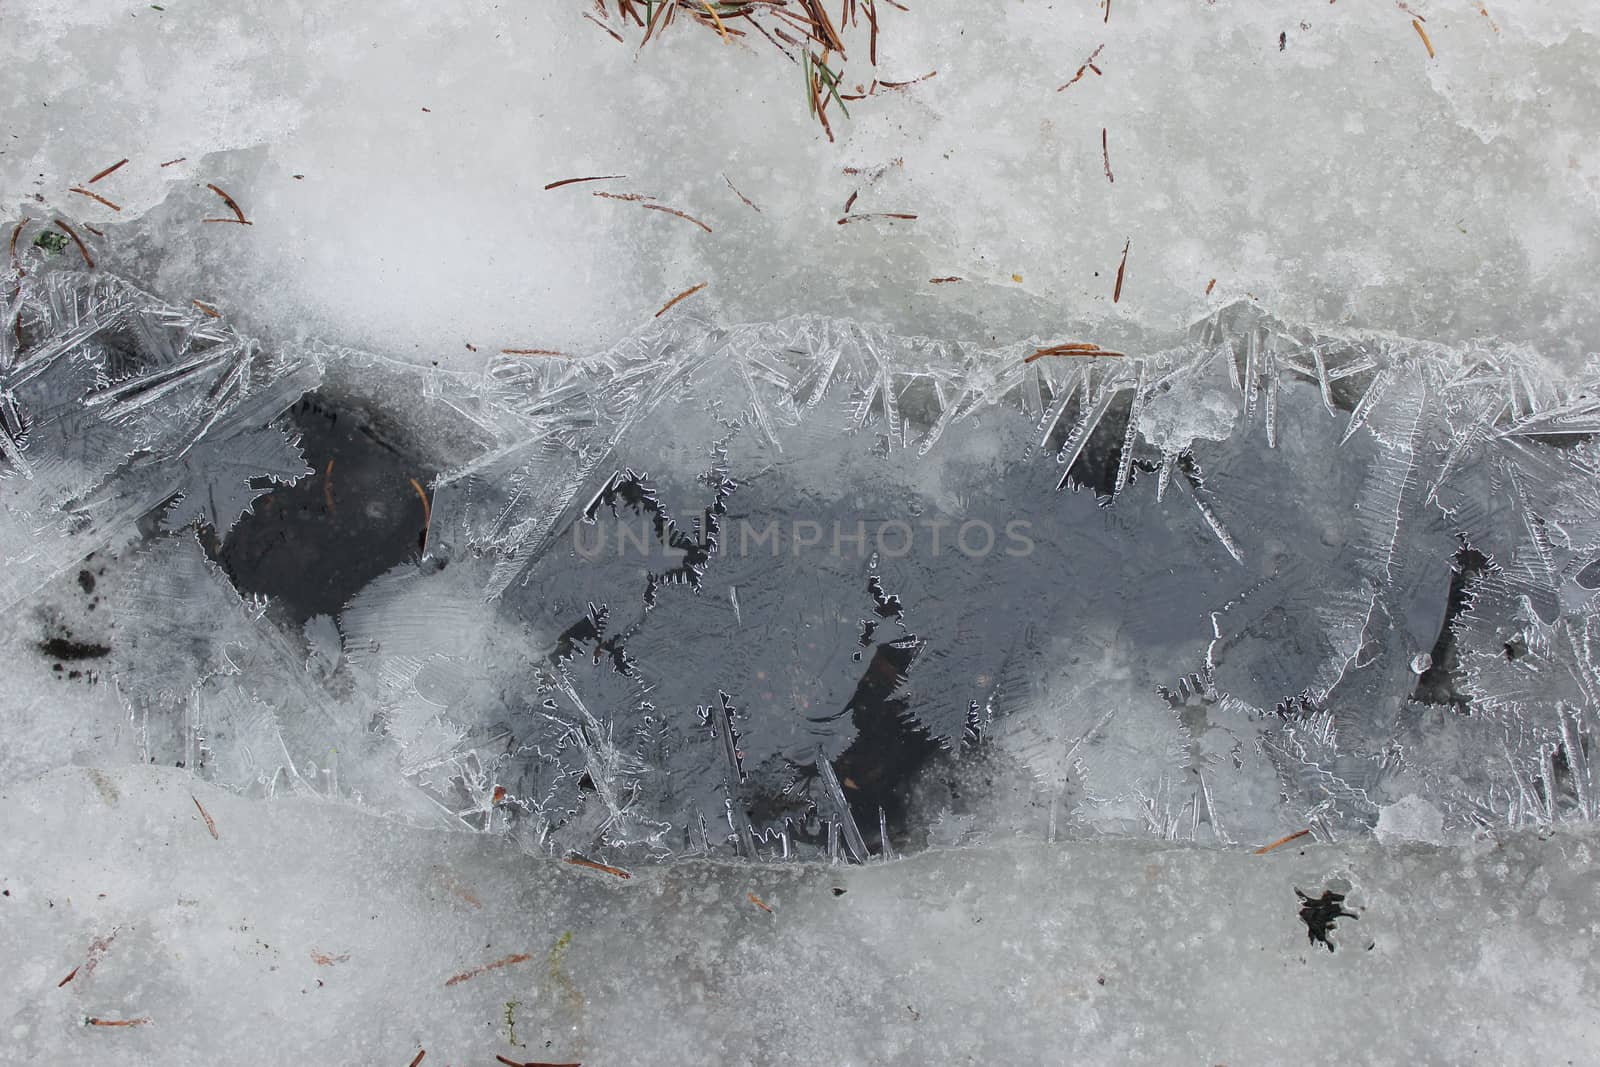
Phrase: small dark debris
[839,892]
[1321,914]
[65,649]
[1100,979]
[86,581]
[1283,41]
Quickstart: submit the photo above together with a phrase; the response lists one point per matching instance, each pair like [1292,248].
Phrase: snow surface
[1346,179]
[308,932]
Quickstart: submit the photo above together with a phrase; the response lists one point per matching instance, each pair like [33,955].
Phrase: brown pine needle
[675,211]
[720,27]
[207,308]
[944,281]
[579,861]
[427,512]
[15,263]
[1088,65]
[1075,348]
[170,162]
[1116,293]
[876,215]
[142,1021]
[740,195]
[623,196]
[593,178]
[913,81]
[1105,151]
[758,902]
[241,222]
[82,248]
[210,824]
[327,489]
[91,229]
[1280,841]
[527,352]
[68,978]
[848,204]
[1212,284]
[520,957]
[233,205]
[1108,11]
[424,1052]
[532,1063]
[1417,25]
[614,34]
[686,294]
[109,170]
[323,959]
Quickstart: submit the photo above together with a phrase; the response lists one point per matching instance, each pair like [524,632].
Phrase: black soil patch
[311,546]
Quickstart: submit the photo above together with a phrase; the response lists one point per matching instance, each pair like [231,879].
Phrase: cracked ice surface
[814,588]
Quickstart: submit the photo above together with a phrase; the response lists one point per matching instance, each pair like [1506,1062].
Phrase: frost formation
[682,596]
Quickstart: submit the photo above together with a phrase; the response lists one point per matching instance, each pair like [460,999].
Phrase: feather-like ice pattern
[748,590]
[224,477]
[104,396]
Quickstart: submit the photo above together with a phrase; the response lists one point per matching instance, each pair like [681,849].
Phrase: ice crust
[1109,952]
[394,168]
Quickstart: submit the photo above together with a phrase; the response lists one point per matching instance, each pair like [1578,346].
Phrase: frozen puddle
[809,589]
[1094,553]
